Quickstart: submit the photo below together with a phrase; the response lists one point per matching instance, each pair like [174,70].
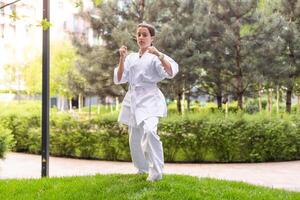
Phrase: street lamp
[45,93]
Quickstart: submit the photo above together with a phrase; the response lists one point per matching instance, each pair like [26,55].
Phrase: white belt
[134,90]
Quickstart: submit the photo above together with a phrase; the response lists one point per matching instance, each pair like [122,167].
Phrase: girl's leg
[152,148]
[137,155]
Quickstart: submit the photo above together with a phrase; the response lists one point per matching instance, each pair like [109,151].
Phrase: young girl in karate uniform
[144,103]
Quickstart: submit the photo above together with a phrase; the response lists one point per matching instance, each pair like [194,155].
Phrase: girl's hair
[149,27]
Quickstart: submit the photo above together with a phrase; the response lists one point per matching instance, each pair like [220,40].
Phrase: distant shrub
[194,137]
[6,141]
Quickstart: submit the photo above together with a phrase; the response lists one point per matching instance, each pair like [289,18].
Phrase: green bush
[22,127]
[6,141]
[97,138]
[252,107]
[195,137]
[237,138]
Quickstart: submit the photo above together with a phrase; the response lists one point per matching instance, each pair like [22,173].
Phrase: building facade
[21,34]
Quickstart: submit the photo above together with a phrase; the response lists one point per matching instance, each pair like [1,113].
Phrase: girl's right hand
[123,51]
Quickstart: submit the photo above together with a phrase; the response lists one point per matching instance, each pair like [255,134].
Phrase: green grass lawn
[135,187]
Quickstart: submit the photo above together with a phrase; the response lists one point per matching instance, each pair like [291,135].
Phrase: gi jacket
[143,99]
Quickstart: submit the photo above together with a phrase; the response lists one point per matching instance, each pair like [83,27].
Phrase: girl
[144,103]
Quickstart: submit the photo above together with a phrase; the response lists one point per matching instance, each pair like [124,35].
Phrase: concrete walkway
[285,175]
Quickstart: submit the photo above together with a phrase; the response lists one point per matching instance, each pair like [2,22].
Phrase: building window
[60,4]
[1,30]
[2,10]
[13,8]
[65,25]
[11,31]
[27,28]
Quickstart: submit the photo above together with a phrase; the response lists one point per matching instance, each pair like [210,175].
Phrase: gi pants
[146,148]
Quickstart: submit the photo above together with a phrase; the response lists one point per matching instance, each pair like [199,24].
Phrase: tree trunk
[106,103]
[79,102]
[117,103]
[188,100]
[269,101]
[183,103]
[179,97]
[260,99]
[226,108]
[70,104]
[289,91]
[277,99]
[240,100]
[298,103]
[219,101]
[289,99]
[62,105]
[239,74]
[99,107]
[90,107]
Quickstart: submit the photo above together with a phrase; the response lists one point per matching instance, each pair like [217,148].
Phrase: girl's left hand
[153,50]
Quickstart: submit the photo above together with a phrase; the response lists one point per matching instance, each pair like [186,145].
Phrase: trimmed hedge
[6,141]
[233,139]
[193,138]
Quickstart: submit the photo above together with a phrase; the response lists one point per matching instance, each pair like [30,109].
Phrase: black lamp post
[45,93]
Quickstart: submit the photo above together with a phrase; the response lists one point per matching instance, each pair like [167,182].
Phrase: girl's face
[143,37]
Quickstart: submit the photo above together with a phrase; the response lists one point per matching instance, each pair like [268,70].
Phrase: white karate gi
[141,107]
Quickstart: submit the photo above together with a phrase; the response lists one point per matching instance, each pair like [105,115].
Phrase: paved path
[284,175]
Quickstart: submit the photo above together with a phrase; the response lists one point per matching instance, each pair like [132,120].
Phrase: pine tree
[290,10]
[265,52]
[213,53]
[116,25]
